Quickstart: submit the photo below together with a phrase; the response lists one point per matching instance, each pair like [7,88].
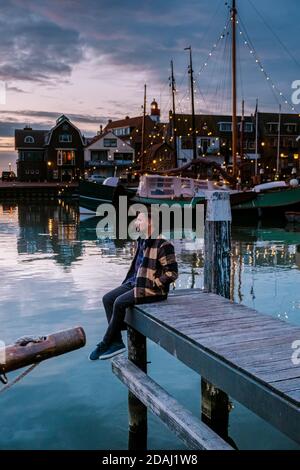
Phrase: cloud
[41,120]
[33,48]
[15,89]
[85,118]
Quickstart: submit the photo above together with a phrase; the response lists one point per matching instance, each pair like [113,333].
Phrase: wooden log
[194,433]
[137,411]
[215,404]
[19,355]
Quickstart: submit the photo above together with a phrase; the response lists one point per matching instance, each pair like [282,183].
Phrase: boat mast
[256,136]
[143,128]
[242,130]
[234,117]
[174,130]
[190,71]
[278,141]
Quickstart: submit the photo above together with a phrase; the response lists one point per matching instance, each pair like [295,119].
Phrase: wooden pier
[23,190]
[238,352]
[246,354]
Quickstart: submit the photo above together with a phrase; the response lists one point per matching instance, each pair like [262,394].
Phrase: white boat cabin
[169,187]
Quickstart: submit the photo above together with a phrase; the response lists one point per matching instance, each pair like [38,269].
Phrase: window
[291,143]
[225,126]
[274,142]
[29,139]
[122,131]
[65,157]
[65,138]
[186,143]
[248,127]
[31,156]
[272,127]
[97,155]
[250,145]
[123,156]
[110,142]
[291,128]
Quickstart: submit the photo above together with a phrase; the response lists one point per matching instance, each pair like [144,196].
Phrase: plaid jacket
[157,271]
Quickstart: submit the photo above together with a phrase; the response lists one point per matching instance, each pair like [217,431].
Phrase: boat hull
[190,202]
[279,199]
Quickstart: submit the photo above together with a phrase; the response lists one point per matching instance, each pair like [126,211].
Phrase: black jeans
[115,303]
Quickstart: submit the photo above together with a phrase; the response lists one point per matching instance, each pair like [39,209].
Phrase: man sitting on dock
[152,270]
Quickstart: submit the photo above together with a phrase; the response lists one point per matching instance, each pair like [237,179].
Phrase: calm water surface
[54,272]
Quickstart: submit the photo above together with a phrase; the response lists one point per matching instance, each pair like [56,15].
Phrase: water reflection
[54,273]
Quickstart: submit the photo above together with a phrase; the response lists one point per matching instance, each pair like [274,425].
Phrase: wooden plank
[252,391]
[194,433]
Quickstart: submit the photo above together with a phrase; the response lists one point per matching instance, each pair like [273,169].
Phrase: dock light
[263,144]
[154,161]
[296,156]
[49,163]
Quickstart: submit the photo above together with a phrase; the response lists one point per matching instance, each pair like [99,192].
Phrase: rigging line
[19,377]
[216,69]
[274,34]
[211,20]
[240,66]
[224,73]
[214,48]
[258,62]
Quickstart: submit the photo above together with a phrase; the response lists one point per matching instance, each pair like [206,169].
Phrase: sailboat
[262,198]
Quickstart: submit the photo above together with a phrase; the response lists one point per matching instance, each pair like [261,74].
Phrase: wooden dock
[244,353]
[35,190]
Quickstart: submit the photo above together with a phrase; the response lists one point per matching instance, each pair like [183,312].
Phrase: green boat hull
[169,202]
[280,198]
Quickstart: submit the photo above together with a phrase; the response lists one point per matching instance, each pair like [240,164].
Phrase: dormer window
[65,138]
[29,139]
[225,126]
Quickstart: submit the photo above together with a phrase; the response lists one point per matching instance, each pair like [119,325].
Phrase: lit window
[65,157]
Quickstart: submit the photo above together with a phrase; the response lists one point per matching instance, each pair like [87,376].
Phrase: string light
[212,50]
[267,76]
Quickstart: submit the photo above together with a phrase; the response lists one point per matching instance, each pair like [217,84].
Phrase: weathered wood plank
[194,433]
[203,353]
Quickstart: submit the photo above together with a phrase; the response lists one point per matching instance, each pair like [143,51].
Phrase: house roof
[59,121]
[38,135]
[151,151]
[204,123]
[127,122]
[104,134]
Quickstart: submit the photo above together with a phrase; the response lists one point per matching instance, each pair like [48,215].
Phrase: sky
[90,59]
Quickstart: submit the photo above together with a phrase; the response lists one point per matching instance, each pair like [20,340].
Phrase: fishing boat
[275,195]
[93,193]
[161,189]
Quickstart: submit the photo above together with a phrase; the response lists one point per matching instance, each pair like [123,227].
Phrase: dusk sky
[90,59]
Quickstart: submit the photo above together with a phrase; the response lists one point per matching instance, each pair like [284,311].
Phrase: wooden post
[215,405]
[137,411]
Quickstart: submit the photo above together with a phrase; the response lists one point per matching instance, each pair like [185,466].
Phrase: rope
[20,377]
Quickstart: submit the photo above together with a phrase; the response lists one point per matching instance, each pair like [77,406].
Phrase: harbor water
[54,272]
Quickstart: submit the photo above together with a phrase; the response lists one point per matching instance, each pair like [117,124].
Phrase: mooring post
[215,404]
[137,411]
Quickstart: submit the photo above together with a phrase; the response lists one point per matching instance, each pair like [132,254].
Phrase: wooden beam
[194,433]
